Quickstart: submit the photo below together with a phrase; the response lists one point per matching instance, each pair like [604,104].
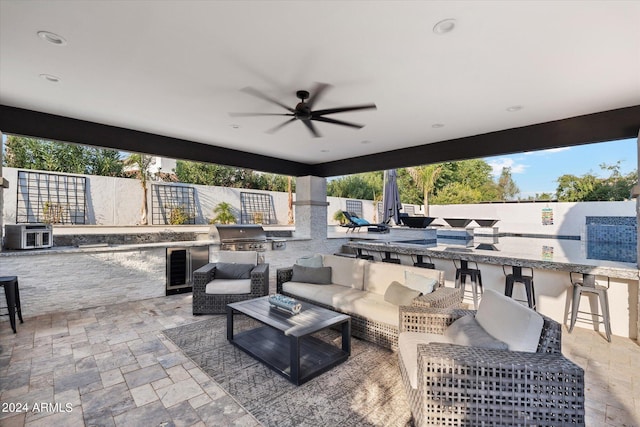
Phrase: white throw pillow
[509,321]
[421,283]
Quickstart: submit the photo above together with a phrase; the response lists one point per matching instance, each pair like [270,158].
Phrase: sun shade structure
[391,197]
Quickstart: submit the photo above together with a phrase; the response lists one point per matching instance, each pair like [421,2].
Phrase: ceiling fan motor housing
[302,94]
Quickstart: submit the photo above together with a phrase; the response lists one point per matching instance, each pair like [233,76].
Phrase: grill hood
[237,233]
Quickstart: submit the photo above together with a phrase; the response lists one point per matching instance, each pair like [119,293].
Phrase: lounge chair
[355,222]
[234,276]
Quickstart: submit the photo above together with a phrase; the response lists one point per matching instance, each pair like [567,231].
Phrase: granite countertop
[545,254]
[93,248]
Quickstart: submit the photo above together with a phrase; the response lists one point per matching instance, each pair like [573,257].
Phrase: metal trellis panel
[169,201]
[355,206]
[257,208]
[50,198]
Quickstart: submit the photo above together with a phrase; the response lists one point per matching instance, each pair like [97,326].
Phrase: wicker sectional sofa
[358,289]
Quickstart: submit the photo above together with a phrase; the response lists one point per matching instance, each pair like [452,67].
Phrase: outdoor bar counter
[551,260]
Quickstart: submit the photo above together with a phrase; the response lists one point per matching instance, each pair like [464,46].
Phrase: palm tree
[290,219]
[139,167]
[426,176]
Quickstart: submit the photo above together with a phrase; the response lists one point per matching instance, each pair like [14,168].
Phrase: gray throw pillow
[315,275]
[468,332]
[398,294]
[226,270]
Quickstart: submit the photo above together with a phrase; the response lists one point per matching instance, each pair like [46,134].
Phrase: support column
[311,207]
[636,193]
[3,184]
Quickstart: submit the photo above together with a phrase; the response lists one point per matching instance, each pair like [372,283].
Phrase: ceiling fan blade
[337,122]
[258,94]
[317,92]
[281,125]
[343,109]
[311,128]
[258,114]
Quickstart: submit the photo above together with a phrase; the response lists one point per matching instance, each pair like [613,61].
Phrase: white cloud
[506,162]
[549,151]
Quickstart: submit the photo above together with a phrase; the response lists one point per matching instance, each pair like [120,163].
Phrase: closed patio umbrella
[391,205]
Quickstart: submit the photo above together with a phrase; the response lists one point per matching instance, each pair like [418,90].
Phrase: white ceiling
[176,68]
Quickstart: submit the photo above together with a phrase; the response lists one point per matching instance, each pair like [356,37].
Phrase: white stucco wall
[117,202]
[568,218]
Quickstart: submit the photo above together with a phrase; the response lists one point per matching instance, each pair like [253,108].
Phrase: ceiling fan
[304,111]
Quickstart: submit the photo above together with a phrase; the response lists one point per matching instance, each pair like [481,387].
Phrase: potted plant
[223,214]
[339,216]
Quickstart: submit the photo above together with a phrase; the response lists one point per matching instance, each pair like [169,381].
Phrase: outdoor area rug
[365,390]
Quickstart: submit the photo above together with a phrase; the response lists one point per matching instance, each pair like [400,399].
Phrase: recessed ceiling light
[235,126]
[515,108]
[50,78]
[437,125]
[52,38]
[324,151]
[445,26]
[366,141]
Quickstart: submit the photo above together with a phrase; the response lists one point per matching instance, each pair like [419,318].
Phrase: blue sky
[537,171]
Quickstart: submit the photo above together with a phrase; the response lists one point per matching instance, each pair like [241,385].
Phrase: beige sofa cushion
[509,321]
[228,286]
[322,294]
[348,300]
[370,306]
[345,271]
[408,350]
[379,275]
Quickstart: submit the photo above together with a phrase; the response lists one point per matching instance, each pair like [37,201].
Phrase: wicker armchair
[369,330]
[204,303]
[468,386]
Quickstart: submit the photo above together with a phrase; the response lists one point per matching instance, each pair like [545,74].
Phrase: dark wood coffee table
[285,343]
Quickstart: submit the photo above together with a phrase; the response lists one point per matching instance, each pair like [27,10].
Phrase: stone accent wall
[123,239]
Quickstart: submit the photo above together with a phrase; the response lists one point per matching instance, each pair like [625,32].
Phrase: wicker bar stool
[419,262]
[587,284]
[516,276]
[462,271]
[12,294]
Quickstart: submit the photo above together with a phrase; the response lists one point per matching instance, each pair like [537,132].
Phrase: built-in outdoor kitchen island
[552,259]
[91,266]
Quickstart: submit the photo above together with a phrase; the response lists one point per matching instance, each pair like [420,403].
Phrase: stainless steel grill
[245,237]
